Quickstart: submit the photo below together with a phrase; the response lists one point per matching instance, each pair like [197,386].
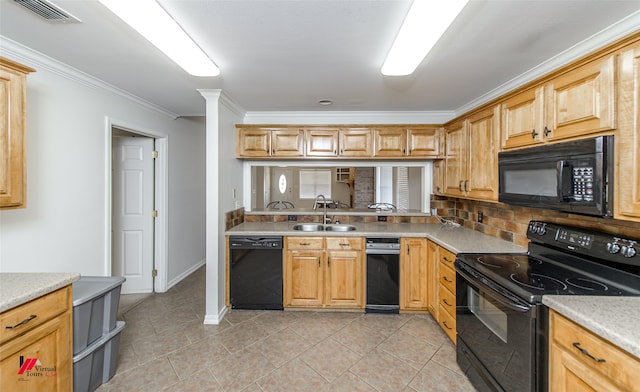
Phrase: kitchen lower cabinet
[36,344]
[324,272]
[413,274]
[447,293]
[579,360]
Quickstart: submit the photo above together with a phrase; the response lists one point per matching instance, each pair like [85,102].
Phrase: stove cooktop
[531,276]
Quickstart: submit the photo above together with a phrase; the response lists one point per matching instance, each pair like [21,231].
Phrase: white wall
[64,227]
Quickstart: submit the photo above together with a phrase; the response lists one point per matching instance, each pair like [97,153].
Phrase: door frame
[161,200]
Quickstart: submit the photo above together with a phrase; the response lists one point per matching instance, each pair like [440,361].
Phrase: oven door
[496,335]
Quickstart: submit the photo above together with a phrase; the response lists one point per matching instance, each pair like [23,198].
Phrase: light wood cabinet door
[482,164]
[424,142]
[13,170]
[582,101]
[303,278]
[390,142]
[455,159]
[253,143]
[437,181]
[321,142]
[355,142]
[345,279]
[627,140]
[48,340]
[579,360]
[523,118]
[433,261]
[287,143]
[413,273]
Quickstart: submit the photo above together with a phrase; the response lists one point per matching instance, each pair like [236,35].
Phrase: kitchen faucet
[324,208]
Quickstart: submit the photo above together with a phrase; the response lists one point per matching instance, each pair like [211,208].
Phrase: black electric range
[502,326]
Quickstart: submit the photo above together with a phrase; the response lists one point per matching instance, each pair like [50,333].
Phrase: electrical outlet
[434,211]
[382,218]
[292,218]
[480,217]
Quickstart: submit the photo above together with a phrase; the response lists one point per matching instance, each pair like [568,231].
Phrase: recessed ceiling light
[325,102]
[423,26]
[149,19]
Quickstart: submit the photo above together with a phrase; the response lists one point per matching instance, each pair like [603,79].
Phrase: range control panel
[586,242]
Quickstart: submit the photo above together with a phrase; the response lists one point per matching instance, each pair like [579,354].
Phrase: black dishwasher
[256,272]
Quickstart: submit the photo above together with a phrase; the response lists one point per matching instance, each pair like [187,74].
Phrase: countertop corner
[17,288]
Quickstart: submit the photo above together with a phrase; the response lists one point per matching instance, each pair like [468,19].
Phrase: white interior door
[281,184]
[133,203]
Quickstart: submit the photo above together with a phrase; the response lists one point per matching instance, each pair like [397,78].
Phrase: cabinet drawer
[447,301]
[345,243]
[304,243]
[618,366]
[447,323]
[447,257]
[447,277]
[34,313]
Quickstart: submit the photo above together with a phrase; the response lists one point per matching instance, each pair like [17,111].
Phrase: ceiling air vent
[48,10]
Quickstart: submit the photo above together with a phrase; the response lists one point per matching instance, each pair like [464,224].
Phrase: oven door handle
[508,302]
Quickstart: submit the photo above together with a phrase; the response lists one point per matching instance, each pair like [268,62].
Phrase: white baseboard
[216,319]
[186,273]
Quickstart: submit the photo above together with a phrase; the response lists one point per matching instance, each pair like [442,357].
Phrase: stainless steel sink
[339,228]
[308,227]
[321,227]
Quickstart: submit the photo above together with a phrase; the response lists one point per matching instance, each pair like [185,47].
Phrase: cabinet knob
[547,131]
[534,134]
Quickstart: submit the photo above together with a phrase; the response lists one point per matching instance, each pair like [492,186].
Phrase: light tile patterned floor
[165,347]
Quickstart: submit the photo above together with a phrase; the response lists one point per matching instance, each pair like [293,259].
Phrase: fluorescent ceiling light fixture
[149,19]
[423,26]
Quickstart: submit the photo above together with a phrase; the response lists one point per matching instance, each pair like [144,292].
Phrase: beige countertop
[17,288]
[616,319]
[457,240]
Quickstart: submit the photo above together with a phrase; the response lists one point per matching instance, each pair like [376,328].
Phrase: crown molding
[21,53]
[599,40]
[349,117]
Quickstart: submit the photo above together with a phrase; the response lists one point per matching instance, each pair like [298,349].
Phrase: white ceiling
[285,55]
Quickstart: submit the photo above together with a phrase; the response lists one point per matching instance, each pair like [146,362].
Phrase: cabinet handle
[23,322]
[446,302]
[446,325]
[446,279]
[318,263]
[534,134]
[547,131]
[585,352]
[305,243]
[466,185]
[329,262]
[460,185]
[345,244]
[334,152]
[447,259]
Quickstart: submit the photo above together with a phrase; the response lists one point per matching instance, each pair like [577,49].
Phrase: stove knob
[628,251]
[541,230]
[613,247]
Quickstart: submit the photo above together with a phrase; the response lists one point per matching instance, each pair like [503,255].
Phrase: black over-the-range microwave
[575,176]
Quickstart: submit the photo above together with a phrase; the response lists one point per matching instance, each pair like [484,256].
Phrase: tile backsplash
[510,222]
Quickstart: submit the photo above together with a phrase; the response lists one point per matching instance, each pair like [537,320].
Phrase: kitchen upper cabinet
[324,272]
[355,142]
[579,360]
[576,104]
[581,102]
[471,163]
[413,274]
[627,140]
[390,142]
[269,142]
[13,171]
[322,142]
[425,142]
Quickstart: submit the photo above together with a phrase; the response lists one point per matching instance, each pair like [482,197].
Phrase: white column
[215,308]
